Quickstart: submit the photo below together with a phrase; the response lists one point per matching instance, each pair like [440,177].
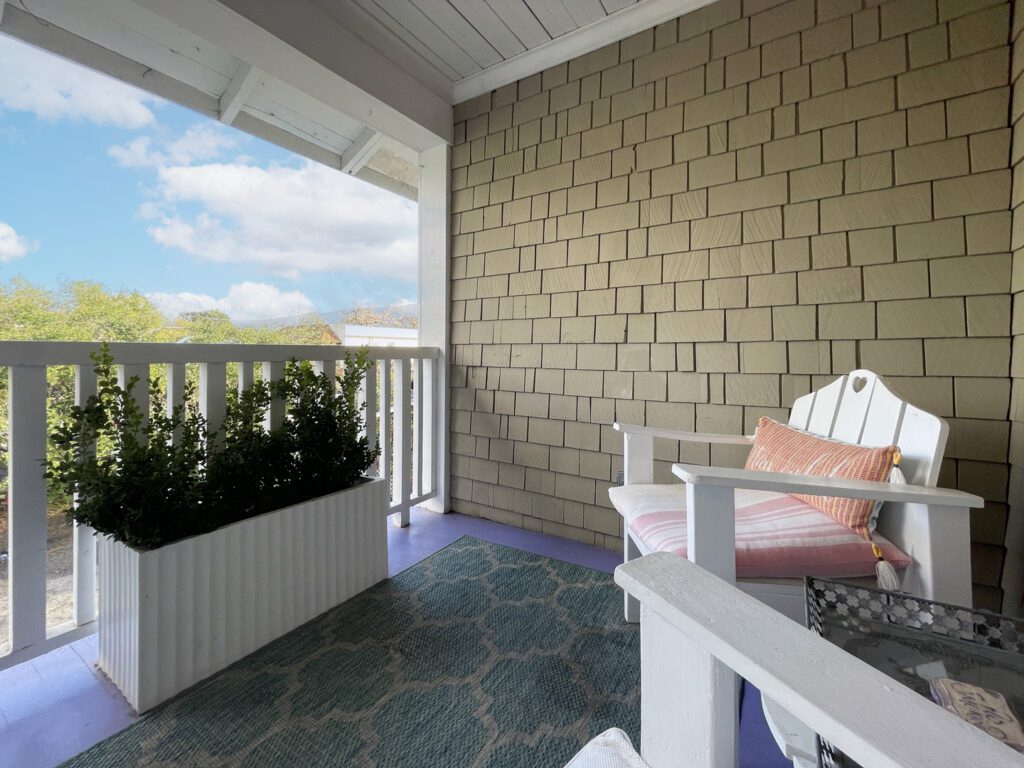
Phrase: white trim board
[361,150]
[238,90]
[612,28]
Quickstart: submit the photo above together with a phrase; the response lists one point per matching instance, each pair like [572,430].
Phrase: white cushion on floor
[611,749]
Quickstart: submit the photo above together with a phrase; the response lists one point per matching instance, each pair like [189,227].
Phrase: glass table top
[915,641]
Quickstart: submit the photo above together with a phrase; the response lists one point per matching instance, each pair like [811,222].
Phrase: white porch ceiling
[463,48]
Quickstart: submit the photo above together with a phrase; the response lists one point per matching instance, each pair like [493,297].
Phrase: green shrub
[157,479]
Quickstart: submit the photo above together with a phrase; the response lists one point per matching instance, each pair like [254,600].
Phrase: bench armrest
[876,720]
[682,436]
[780,482]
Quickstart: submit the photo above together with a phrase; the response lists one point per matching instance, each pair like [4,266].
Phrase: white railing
[401,417]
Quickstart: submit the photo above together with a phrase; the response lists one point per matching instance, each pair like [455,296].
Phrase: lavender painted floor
[58,705]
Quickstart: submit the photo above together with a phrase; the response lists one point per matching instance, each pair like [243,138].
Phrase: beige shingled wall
[694,226]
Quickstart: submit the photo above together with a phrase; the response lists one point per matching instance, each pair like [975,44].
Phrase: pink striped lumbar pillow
[778,448]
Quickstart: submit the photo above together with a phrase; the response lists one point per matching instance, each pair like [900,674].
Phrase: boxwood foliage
[151,479]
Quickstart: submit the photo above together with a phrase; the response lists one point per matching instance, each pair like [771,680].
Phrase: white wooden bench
[691,621]
[930,525]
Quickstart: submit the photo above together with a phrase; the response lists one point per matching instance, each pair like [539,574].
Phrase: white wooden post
[630,552]
[213,396]
[84,559]
[428,472]
[140,393]
[329,367]
[417,429]
[637,469]
[637,459]
[274,371]
[711,529]
[26,496]
[175,392]
[690,705]
[402,442]
[941,537]
[385,419]
[244,377]
[370,398]
[435,307]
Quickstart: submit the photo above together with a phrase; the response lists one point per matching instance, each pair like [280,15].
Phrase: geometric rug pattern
[480,655]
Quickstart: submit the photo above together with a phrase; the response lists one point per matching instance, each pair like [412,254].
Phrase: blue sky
[102,182]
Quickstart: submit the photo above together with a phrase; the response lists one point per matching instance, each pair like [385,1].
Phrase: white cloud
[201,142]
[13,245]
[246,302]
[135,154]
[55,89]
[285,220]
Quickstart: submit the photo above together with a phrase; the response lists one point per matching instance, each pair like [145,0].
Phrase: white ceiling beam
[362,150]
[238,90]
[48,36]
[612,28]
[300,44]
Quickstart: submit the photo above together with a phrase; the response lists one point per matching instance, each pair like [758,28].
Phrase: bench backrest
[860,408]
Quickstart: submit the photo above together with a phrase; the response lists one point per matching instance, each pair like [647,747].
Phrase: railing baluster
[385,420]
[213,396]
[244,376]
[402,442]
[175,392]
[369,396]
[84,559]
[140,392]
[330,367]
[26,528]
[429,425]
[274,371]
[417,430]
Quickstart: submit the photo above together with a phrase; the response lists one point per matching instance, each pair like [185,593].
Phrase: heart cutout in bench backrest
[859,382]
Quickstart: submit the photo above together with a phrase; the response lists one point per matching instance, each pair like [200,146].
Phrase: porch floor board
[57,705]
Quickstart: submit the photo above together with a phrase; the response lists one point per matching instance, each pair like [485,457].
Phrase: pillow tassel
[885,574]
[896,476]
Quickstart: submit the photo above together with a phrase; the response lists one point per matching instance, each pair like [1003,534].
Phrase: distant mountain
[337,316]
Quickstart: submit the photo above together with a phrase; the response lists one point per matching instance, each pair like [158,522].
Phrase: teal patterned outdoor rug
[481,655]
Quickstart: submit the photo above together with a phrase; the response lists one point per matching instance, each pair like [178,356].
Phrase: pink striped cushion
[777,535]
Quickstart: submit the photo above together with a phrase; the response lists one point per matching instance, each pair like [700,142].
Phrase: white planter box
[173,616]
